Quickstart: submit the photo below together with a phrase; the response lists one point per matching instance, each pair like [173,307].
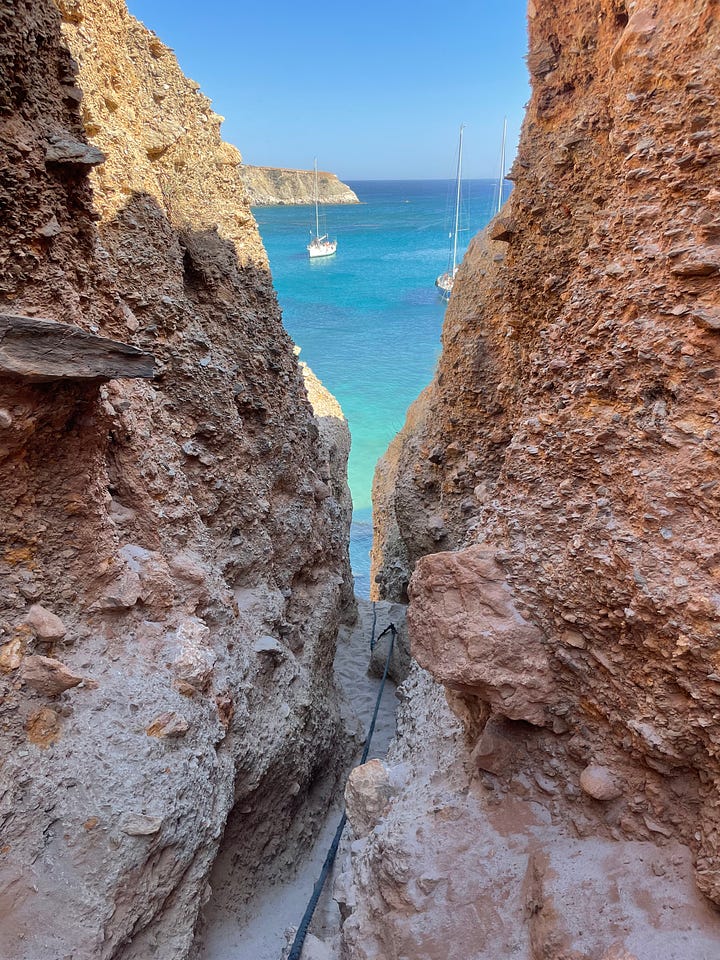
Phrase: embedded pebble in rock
[367,794]
[168,725]
[599,783]
[140,825]
[47,675]
[45,624]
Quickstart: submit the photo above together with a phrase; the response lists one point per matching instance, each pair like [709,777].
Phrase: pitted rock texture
[465,626]
[451,863]
[173,551]
[572,429]
[268,186]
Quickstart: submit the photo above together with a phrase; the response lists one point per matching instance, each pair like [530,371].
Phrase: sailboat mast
[317,215]
[502,166]
[457,199]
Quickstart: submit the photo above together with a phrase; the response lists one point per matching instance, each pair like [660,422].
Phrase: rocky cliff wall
[555,491]
[266,186]
[173,549]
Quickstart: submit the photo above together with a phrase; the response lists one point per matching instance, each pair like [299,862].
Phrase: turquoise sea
[368,319]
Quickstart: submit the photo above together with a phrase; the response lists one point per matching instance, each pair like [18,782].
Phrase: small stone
[598,782]
[614,270]
[11,654]
[269,645]
[545,783]
[66,151]
[702,264]
[43,728]
[51,229]
[168,725]
[122,594]
[655,827]
[188,566]
[225,708]
[492,752]
[5,418]
[139,825]
[436,528]
[45,624]
[708,318]
[194,665]
[367,795]
[504,229]
[47,675]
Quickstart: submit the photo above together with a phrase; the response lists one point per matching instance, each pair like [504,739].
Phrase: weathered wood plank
[43,350]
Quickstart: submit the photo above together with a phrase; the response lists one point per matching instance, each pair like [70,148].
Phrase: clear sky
[375,90]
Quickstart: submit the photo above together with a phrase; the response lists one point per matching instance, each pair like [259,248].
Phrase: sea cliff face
[267,186]
[551,509]
[173,538]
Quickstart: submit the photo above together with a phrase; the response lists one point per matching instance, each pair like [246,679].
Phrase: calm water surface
[368,319]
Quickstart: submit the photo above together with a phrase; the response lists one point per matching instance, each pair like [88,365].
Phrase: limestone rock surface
[268,186]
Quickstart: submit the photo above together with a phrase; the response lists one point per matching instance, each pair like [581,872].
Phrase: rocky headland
[268,186]
[550,511]
[174,529]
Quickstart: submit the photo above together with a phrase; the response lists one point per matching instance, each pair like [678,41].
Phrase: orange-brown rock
[572,431]
[43,727]
[467,631]
[47,675]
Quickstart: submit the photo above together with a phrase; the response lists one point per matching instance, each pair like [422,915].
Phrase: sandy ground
[260,930]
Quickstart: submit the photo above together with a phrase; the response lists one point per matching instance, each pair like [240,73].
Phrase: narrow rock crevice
[258,916]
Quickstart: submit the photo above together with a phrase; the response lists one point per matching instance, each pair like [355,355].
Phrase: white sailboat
[445,281]
[319,246]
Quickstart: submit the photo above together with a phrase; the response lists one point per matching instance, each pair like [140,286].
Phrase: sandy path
[257,931]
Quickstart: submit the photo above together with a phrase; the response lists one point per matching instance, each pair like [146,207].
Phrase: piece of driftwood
[43,350]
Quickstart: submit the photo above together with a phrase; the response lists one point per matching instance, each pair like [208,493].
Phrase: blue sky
[374,90]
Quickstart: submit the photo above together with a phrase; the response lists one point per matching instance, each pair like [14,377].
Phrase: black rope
[298,942]
[372,635]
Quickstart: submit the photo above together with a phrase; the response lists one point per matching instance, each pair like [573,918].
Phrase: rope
[372,635]
[298,942]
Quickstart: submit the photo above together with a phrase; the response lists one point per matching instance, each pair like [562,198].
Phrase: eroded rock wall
[566,457]
[173,551]
[276,185]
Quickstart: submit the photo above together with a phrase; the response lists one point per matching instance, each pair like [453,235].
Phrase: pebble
[44,623]
[139,825]
[598,782]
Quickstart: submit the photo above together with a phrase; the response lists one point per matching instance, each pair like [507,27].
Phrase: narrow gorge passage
[235,928]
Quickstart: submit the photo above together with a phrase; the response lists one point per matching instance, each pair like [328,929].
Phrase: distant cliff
[270,185]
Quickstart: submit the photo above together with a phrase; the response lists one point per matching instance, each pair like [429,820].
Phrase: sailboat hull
[321,248]
[444,283]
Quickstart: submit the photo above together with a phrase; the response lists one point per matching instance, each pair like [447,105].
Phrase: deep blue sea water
[368,319]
